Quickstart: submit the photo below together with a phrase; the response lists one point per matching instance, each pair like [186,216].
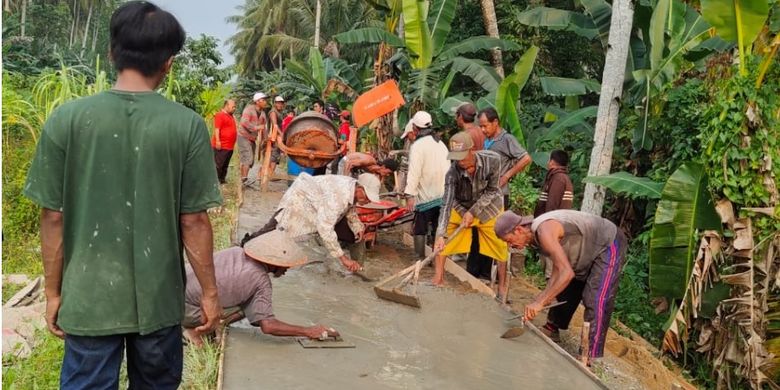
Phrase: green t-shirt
[122,167]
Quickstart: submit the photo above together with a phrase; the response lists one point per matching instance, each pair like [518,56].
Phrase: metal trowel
[326,342]
[517,331]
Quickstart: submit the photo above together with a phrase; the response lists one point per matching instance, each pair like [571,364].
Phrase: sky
[205,17]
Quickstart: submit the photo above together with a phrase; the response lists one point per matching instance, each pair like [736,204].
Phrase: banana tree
[313,76]
[675,28]
[737,21]
[428,64]
[685,210]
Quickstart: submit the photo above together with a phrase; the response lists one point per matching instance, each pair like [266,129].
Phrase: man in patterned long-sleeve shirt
[472,197]
[324,205]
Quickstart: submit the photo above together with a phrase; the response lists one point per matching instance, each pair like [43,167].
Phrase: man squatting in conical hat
[244,288]
[587,254]
[325,205]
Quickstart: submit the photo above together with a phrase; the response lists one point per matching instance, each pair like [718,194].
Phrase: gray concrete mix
[451,343]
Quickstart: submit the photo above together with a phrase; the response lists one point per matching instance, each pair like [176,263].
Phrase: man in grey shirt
[587,252]
[513,157]
[245,290]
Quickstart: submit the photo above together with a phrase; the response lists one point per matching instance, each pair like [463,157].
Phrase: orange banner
[380,100]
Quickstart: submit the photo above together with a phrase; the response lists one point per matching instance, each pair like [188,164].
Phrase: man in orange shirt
[224,138]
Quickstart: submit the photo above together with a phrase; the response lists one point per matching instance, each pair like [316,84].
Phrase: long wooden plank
[531,327]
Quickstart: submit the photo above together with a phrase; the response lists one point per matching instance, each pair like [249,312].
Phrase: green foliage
[195,70]
[41,370]
[739,135]
[737,21]
[524,194]
[628,184]
[561,86]
[633,305]
[508,93]
[685,209]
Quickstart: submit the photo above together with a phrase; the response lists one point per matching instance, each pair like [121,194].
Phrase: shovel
[517,331]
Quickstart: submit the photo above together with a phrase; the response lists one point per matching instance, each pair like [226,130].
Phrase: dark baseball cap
[508,221]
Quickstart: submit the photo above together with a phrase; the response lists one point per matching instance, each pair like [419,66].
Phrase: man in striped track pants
[587,254]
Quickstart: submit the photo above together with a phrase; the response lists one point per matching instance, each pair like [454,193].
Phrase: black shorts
[426,221]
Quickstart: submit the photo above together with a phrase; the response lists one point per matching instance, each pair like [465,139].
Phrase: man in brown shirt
[465,118]
[244,286]
[557,190]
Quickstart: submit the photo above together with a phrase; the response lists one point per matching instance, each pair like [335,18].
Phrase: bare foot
[193,337]
[437,282]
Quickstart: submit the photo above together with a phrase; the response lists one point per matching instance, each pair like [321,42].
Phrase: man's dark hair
[560,157]
[490,114]
[318,102]
[468,112]
[390,164]
[144,37]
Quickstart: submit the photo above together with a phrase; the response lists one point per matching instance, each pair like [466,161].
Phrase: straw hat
[275,248]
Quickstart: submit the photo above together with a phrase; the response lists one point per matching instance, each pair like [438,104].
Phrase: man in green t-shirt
[124,179]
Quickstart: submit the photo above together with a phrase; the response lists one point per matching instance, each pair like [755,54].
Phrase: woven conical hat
[275,248]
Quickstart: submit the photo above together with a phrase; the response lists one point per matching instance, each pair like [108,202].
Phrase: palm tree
[287,28]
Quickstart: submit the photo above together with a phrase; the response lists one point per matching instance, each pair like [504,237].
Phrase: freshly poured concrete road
[451,343]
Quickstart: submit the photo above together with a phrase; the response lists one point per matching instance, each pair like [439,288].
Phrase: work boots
[419,246]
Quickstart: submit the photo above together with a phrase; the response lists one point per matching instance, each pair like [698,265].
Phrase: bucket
[310,140]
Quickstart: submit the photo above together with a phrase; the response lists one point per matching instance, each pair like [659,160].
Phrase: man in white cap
[428,165]
[245,290]
[252,126]
[325,205]
[275,118]
[472,198]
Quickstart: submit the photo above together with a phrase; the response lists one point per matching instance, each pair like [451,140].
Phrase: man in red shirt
[224,138]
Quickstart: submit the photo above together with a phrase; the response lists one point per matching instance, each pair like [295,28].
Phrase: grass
[202,364]
[9,289]
[41,370]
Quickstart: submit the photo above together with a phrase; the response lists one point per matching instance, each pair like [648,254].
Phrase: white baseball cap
[279,99]
[422,120]
[259,96]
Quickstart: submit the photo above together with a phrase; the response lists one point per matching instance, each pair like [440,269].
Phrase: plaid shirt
[478,195]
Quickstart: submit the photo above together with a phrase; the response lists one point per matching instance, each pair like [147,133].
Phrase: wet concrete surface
[451,343]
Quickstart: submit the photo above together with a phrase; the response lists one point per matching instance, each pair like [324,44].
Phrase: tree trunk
[95,35]
[491,27]
[23,18]
[73,23]
[7,6]
[86,30]
[317,17]
[609,102]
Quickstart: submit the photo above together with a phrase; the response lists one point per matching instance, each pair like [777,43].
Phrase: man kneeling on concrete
[324,205]
[244,287]
[587,254]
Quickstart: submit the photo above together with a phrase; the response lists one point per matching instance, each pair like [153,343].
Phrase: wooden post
[585,343]
[266,162]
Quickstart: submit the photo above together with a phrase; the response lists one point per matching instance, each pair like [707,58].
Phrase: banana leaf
[508,93]
[440,21]
[685,209]
[417,34]
[628,184]
[737,21]
[369,35]
[561,86]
